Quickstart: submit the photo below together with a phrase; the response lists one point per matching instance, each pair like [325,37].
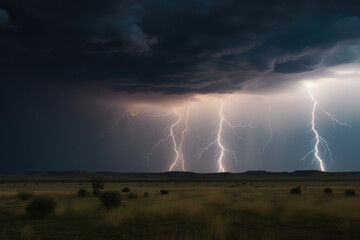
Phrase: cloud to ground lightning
[222,150]
[177,147]
[179,150]
[321,147]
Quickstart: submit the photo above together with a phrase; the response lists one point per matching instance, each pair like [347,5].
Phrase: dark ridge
[301,175]
[180,174]
[59,173]
[308,173]
[258,173]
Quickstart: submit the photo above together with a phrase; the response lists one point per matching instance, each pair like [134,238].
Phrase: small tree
[110,199]
[83,193]
[350,192]
[125,189]
[146,195]
[164,192]
[40,207]
[24,196]
[328,190]
[296,190]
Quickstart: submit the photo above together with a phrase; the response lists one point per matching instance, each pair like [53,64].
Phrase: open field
[231,209]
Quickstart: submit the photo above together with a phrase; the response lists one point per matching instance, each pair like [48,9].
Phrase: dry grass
[168,206]
[79,206]
[119,216]
[26,233]
[205,211]
[214,227]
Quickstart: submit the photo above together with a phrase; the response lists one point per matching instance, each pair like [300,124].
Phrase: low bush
[132,196]
[350,192]
[24,196]
[110,199]
[296,190]
[40,207]
[164,192]
[146,195]
[328,190]
[125,189]
[83,193]
[96,192]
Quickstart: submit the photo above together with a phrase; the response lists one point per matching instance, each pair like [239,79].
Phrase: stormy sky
[94,85]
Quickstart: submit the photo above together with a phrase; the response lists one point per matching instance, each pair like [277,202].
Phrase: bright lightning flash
[320,142]
[179,152]
[222,150]
[177,148]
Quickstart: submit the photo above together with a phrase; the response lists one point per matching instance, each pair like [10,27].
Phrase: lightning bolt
[131,113]
[320,142]
[222,150]
[270,137]
[180,155]
[176,148]
[219,142]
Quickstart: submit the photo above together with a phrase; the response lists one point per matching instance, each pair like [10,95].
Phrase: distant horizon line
[142,172]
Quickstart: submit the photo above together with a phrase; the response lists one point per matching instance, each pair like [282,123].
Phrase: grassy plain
[191,210]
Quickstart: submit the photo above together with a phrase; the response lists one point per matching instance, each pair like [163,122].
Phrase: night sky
[95,85]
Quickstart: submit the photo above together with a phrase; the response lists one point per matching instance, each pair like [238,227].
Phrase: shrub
[96,192]
[83,193]
[40,207]
[125,189]
[328,190]
[146,195]
[132,196]
[350,192]
[97,184]
[110,199]
[24,196]
[164,192]
[296,190]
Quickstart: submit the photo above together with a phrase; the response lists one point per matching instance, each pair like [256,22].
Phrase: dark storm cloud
[5,23]
[175,47]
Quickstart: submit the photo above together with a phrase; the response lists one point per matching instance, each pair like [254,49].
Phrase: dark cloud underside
[174,47]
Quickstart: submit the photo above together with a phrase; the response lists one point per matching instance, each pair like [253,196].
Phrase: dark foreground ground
[252,205]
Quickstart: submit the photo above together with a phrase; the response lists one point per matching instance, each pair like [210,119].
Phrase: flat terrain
[217,206]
